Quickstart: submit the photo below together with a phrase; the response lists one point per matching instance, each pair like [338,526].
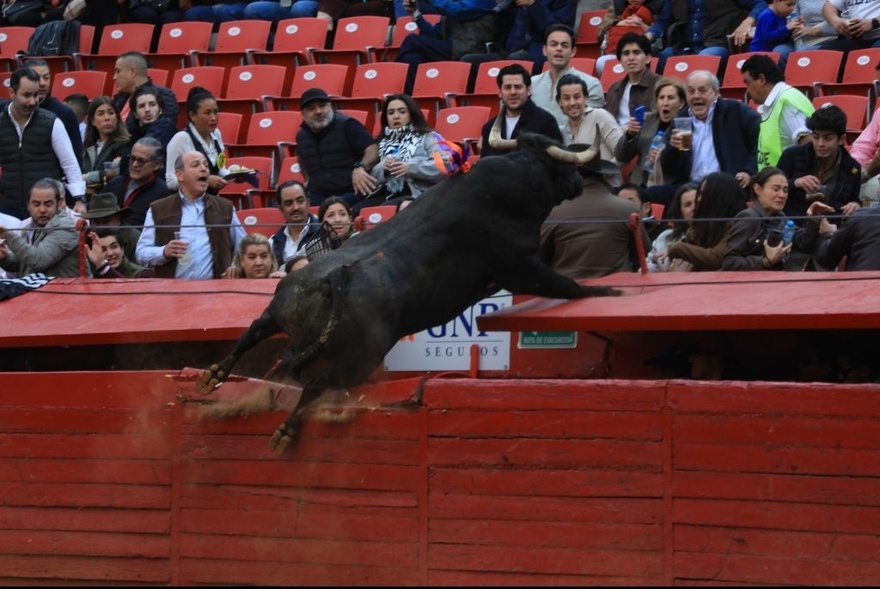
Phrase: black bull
[462,240]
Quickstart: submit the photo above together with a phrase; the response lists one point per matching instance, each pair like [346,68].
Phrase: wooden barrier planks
[534,482]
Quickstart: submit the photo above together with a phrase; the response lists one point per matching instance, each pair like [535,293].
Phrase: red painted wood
[228,571]
[81,569]
[490,482]
[580,535]
[388,524]
[546,454]
[548,508]
[536,560]
[86,520]
[714,301]
[542,423]
[128,311]
[72,470]
[118,545]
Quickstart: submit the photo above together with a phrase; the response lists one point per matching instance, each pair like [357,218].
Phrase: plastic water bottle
[788,232]
[394,183]
[656,142]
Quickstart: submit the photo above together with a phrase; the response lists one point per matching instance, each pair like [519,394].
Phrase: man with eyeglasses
[143,183]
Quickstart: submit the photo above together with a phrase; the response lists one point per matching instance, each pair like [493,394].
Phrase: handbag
[14,11]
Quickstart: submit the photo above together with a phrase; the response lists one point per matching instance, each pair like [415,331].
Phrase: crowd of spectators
[729,172]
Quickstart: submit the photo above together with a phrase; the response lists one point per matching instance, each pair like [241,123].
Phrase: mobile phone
[774,237]
[639,114]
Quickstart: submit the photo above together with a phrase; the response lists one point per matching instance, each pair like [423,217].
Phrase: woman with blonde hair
[669,98]
[254,258]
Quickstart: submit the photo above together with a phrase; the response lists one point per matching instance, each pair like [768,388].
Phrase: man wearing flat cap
[589,235]
[104,211]
[335,151]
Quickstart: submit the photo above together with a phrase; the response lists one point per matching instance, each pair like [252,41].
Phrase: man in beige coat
[50,244]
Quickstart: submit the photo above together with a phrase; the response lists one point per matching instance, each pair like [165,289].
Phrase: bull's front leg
[534,277]
[262,328]
[287,431]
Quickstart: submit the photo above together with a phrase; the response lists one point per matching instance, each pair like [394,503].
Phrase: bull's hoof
[210,380]
[282,438]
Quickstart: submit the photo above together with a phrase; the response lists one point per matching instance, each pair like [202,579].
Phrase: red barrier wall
[110,477]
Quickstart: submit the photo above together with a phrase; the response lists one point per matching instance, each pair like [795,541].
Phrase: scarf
[400,143]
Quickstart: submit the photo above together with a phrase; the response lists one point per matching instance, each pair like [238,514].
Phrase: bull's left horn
[495,139]
[577,157]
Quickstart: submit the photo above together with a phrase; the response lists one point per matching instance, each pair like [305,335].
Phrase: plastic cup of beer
[685,128]
[187,257]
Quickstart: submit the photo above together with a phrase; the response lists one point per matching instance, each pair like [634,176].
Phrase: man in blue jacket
[725,139]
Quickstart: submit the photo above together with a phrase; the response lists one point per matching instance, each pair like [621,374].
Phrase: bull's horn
[495,139]
[577,157]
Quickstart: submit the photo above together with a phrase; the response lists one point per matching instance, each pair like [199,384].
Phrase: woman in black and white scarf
[407,144]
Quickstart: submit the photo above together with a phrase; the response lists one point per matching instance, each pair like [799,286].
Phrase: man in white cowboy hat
[104,211]
[51,246]
[589,235]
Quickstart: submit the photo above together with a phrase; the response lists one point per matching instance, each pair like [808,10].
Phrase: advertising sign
[448,346]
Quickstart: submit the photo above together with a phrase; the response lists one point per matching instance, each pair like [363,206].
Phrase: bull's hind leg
[287,431]
[262,328]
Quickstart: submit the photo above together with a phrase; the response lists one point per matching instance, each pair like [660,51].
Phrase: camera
[774,237]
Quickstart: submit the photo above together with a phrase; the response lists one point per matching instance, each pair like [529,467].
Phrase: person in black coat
[514,89]
[822,166]
[728,144]
[144,181]
[858,241]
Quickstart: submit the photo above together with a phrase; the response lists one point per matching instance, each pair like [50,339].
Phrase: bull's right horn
[575,157]
[495,140]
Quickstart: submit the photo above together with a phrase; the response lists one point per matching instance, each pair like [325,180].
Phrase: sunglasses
[139,161]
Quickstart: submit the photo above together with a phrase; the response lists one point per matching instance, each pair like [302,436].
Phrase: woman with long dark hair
[201,134]
[752,244]
[407,144]
[106,140]
[719,199]
[678,214]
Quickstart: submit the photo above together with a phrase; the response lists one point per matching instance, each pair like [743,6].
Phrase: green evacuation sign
[547,339]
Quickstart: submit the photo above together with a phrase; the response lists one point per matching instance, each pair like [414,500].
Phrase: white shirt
[193,230]
[868,9]
[182,143]
[291,245]
[623,113]
[63,149]
[544,92]
[705,158]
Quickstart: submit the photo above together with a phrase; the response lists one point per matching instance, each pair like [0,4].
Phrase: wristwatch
[359,165]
